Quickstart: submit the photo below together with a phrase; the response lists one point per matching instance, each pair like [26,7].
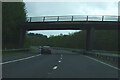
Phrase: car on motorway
[45,50]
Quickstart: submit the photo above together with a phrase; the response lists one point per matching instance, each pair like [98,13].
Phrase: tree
[14,14]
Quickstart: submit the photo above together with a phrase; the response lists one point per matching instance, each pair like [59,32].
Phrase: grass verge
[17,52]
[12,52]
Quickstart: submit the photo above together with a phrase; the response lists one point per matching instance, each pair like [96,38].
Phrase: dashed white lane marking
[55,67]
[20,59]
[49,73]
[61,56]
[103,62]
[59,61]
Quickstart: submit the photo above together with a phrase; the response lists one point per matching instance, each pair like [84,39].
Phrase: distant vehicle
[45,50]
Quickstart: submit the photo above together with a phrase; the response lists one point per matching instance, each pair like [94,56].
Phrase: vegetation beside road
[18,52]
[103,40]
[13,52]
[13,14]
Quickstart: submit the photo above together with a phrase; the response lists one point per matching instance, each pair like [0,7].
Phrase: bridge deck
[77,22]
[71,25]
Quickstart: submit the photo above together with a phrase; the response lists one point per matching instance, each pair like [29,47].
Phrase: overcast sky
[35,9]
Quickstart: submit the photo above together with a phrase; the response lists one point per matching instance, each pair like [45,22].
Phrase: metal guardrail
[10,50]
[73,18]
[97,53]
[111,57]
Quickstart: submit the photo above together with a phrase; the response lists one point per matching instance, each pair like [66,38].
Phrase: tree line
[13,14]
[102,40]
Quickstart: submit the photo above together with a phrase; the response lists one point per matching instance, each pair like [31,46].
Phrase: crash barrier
[107,55]
[11,50]
[103,55]
[70,49]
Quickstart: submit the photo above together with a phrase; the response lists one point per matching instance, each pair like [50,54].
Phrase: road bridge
[77,22]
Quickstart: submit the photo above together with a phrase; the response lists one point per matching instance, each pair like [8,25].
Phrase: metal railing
[12,50]
[108,55]
[72,18]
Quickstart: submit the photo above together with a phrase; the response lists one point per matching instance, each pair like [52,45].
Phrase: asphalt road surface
[61,64]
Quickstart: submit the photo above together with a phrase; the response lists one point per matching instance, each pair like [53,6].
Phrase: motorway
[61,64]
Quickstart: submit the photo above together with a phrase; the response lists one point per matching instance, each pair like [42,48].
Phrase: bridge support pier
[22,36]
[89,40]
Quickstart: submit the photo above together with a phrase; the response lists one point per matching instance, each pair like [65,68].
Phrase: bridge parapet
[72,18]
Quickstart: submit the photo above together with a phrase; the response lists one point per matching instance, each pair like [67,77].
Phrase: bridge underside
[76,25]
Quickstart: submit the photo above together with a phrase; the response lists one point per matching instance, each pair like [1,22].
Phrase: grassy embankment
[17,52]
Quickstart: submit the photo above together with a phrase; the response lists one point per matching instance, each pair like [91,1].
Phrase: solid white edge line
[19,59]
[103,62]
